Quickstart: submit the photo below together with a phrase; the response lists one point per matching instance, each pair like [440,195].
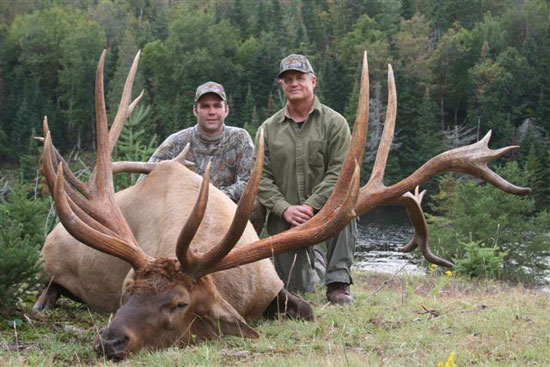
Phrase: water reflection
[380,233]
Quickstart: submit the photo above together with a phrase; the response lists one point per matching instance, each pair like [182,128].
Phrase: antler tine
[413,205]
[49,162]
[75,200]
[73,180]
[131,108]
[184,254]
[97,220]
[410,201]
[240,220]
[102,177]
[133,167]
[183,155]
[387,135]
[86,234]
[361,124]
[124,110]
[356,149]
[147,167]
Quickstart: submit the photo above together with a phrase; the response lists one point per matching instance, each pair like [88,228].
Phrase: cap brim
[293,69]
[210,92]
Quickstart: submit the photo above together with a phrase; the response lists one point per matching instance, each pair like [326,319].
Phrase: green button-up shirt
[302,163]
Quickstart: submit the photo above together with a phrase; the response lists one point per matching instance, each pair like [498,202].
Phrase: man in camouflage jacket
[229,148]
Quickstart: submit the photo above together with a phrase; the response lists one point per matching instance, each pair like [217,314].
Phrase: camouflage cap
[295,62]
[210,87]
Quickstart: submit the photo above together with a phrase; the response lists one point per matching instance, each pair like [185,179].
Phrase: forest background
[462,67]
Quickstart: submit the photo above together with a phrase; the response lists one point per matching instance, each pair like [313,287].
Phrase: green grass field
[395,321]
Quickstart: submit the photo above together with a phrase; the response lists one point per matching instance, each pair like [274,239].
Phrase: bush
[21,236]
[480,213]
[18,261]
[480,261]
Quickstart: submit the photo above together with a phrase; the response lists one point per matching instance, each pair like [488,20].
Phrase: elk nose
[111,344]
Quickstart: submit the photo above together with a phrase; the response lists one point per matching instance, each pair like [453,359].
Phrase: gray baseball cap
[210,87]
[295,62]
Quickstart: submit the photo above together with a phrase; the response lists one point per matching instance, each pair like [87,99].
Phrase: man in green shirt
[305,146]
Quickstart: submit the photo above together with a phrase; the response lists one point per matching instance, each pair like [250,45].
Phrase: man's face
[210,111]
[298,86]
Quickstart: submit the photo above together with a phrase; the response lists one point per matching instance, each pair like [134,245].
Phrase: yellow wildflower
[450,361]
[449,273]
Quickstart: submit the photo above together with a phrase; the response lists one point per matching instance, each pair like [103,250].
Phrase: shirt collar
[315,107]
[207,139]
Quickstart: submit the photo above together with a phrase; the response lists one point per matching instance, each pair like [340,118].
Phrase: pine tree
[29,160]
[134,144]
[535,174]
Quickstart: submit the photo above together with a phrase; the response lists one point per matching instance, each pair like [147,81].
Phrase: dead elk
[221,275]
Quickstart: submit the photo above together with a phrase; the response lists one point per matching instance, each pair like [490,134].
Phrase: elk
[221,275]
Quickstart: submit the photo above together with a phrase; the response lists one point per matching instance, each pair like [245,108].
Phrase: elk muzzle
[113,343]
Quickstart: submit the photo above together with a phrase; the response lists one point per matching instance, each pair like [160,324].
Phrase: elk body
[219,277]
[156,209]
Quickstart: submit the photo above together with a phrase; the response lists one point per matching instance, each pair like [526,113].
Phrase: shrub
[133,145]
[480,213]
[18,261]
[480,261]
[21,236]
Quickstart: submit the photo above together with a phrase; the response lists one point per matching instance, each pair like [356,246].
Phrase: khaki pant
[304,269]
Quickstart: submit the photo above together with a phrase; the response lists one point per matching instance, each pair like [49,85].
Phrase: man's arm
[170,148]
[243,166]
[338,142]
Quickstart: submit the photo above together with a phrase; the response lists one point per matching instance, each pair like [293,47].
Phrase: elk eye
[179,307]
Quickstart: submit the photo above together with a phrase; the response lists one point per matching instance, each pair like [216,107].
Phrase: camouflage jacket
[231,155]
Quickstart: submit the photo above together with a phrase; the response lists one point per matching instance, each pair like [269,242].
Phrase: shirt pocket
[316,153]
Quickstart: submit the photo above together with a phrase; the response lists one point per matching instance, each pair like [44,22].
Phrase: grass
[395,321]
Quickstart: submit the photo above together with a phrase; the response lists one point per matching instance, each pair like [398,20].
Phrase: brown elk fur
[156,209]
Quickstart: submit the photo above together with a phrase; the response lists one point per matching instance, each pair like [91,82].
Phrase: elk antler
[413,205]
[147,167]
[197,265]
[93,217]
[471,159]
[340,208]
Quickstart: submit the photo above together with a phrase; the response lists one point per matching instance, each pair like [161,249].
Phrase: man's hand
[298,214]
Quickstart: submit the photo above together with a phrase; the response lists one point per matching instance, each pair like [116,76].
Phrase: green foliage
[21,236]
[18,261]
[29,161]
[482,65]
[480,261]
[470,212]
[134,144]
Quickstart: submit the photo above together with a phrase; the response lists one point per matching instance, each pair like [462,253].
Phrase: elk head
[173,301]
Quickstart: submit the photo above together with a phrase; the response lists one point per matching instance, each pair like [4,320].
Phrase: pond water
[380,233]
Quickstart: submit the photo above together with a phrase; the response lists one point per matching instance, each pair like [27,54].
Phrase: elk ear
[223,318]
